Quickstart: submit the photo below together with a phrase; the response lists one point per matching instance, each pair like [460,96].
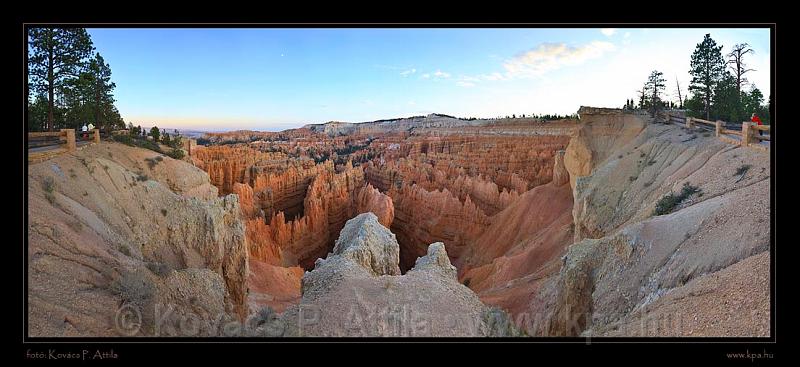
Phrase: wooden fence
[45,145]
[746,136]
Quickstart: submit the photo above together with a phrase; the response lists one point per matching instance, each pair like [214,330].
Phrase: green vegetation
[75,224]
[176,153]
[64,66]
[717,88]
[159,269]
[134,287]
[49,186]
[151,162]
[155,133]
[742,170]
[669,202]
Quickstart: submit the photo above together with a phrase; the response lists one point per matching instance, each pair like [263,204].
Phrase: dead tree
[736,63]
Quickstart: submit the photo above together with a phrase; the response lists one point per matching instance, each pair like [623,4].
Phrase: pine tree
[55,56]
[101,97]
[707,68]
[655,87]
[726,103]
[155,133]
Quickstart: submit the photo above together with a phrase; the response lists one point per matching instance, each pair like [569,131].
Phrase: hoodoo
[543,228]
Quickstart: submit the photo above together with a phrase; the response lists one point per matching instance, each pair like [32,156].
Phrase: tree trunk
[97,105]
[50,87]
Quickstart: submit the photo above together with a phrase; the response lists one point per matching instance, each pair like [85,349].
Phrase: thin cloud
[608,31]
[465,84]
[408,72]
[552,56]
[438,74]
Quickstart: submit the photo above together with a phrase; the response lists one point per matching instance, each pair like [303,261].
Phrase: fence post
[719,127]
[96,135]
[70,135]
[689,124]
[746,133]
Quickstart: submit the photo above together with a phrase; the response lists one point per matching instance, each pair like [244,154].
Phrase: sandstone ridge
[357,290]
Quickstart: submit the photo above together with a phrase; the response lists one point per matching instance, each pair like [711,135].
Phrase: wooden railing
[746,135]
[63,141]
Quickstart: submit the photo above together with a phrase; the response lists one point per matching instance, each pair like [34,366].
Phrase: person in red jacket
[757,120]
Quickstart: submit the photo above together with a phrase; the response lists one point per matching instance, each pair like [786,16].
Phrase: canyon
[513,226]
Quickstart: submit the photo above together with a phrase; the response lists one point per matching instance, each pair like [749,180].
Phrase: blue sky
[273,79]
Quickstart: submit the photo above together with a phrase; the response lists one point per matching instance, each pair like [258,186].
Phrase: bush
[164,212]
[159,269]
[742,170]
[136,288]
[151,162]
[75,224]
[176,153]
[155,133]
[175,142]
[49,187]
[669,202]
[124,139]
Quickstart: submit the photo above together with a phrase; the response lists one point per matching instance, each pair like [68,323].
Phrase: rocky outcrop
[357,291]
[436,260]
[366,242]
[601,132]
[369,199]
[560,173]
[114,236]
[330,201]
[423,217]
[627,256]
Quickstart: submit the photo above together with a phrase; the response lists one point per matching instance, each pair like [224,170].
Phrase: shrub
[125,250]
[155,133]
[142,177]
[75,224]
[49,187]
[175,153]
[742,170]
[136,288]
[133,287]
[164,212]
[147,144]
[151,162]
[159,269]
[669,202]
[124,139]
